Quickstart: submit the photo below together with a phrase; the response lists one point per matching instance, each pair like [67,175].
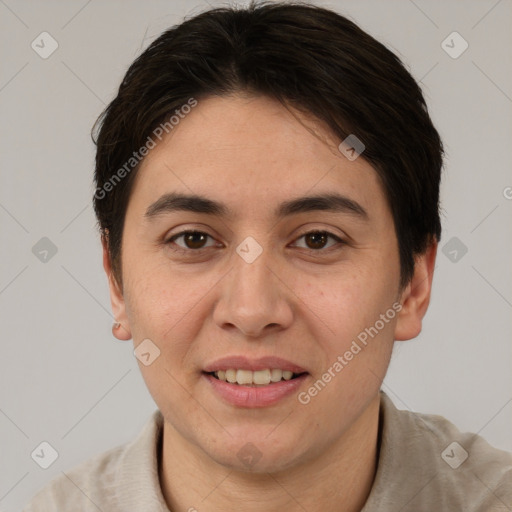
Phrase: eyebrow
[330,202]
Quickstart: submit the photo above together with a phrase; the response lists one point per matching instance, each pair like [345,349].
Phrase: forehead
[252,153]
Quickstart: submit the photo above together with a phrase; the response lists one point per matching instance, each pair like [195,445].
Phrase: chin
[256,454]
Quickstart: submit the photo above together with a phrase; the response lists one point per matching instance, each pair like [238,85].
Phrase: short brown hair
[305,56]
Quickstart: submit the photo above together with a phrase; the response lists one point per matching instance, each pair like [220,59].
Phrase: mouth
[254,382]
[259,378]
[251,389]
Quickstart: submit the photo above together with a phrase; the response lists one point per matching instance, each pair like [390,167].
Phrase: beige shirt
[425,465]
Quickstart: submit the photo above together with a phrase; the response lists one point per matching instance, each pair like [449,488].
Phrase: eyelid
[172,238]
[337,238]
[179,248]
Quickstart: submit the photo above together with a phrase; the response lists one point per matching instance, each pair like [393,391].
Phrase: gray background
[64,379]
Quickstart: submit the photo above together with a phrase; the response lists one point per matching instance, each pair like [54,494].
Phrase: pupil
[193,242]
[319,240]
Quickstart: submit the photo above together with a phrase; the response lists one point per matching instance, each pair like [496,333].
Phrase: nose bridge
[253,280]
[253,298]
[252,286]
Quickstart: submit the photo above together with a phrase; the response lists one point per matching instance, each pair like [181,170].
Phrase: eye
[192,240]
[195,241]
[317,240]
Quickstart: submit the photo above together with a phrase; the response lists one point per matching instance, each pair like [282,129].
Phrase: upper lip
[244,363]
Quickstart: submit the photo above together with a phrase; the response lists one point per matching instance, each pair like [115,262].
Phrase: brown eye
[316,240]
[193,240]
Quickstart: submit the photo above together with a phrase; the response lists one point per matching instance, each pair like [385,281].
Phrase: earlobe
[121,325]
[120,332]
[415,297]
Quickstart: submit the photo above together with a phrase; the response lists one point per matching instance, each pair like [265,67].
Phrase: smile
[254,378]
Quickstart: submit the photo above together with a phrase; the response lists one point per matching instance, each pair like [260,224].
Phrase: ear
[415,297]
[116,297]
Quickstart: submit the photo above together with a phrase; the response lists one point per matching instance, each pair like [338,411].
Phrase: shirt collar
[138,486]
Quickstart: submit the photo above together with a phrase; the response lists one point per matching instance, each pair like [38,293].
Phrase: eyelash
[200,250]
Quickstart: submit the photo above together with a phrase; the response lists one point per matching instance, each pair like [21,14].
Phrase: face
[255,277]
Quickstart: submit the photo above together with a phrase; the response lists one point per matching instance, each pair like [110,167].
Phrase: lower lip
[261,396]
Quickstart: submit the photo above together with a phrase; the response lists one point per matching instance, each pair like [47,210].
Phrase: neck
[339,478]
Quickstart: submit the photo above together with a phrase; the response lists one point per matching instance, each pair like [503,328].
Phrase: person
[267,193]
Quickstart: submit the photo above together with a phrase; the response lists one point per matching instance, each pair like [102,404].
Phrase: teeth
[244,377]
[276,375]
[258,378]
[230,376]
[261,377]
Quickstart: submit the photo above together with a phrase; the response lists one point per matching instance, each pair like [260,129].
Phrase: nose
[254,298]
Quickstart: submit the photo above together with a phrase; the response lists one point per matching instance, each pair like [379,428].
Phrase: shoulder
[116,480]
[89,484]
[469,469]
[427,463]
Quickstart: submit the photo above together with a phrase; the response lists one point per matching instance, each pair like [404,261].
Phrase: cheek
[344,317]
[165,309]
[170,308]
[341,305]
[157,298]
